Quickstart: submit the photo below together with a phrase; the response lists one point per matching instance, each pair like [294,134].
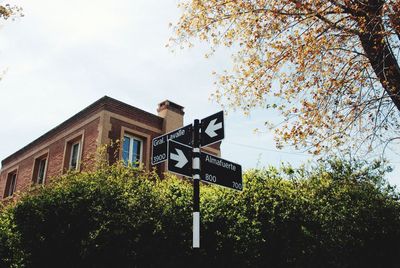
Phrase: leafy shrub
[337,214]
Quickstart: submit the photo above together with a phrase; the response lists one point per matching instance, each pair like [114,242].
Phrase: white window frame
[78,156]
[45,169]
[130,156]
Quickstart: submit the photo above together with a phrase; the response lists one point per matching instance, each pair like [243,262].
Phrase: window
[73,152]
[39,170]
[10,184]
[132,150]
[74,157]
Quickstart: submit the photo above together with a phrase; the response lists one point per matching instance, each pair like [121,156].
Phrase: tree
[330,67]
[7,11]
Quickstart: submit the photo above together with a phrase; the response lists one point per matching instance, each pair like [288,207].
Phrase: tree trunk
[379,53]
[395,18]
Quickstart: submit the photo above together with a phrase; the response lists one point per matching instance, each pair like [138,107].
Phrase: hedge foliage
[336,214]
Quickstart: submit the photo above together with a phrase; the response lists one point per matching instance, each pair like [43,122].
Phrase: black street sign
[180,158]
[220,171]
[160,143]
[181,148]
[212,129]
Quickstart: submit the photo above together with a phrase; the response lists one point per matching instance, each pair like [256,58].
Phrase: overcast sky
[64,55]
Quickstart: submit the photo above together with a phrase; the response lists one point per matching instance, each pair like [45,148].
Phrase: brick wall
[55,148]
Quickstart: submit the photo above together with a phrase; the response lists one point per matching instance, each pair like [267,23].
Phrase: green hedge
[336,214]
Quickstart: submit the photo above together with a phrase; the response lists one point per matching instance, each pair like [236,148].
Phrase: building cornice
[104,103]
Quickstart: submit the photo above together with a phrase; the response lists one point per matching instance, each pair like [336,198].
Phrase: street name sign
[220,171]
[182,149]
[212,129]
[180,158]
[159,144]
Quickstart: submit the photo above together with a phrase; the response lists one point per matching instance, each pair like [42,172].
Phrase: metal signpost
[196,185]
[182,149]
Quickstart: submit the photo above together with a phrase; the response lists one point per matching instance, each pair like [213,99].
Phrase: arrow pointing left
[180,158]
[212,127]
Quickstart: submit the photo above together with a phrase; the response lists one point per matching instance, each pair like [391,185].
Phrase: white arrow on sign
[180,158]
[212,127]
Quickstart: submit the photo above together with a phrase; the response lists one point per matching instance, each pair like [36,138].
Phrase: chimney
[172,114]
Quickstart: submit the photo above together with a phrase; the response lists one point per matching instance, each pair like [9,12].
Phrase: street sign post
[160,144]
[181,148]
[179,158]
[196,187]
[220,171]
[212,129]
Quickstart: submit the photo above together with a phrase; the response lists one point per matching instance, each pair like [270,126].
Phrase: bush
[337,214]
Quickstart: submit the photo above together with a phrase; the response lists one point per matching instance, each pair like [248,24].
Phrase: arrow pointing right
[180,158]
[212,127]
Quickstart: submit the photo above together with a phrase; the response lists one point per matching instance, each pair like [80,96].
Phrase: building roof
[104,103]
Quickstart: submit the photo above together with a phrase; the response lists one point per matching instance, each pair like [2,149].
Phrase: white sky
[63,55]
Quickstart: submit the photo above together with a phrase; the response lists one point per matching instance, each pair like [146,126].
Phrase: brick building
[75,141]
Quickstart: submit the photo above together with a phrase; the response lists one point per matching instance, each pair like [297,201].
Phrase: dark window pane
[74,156]
[125,149]
[12,184]
[41,171]
[136,152]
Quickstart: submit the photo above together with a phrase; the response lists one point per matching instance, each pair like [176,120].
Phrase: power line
[266,149]
[282,152]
